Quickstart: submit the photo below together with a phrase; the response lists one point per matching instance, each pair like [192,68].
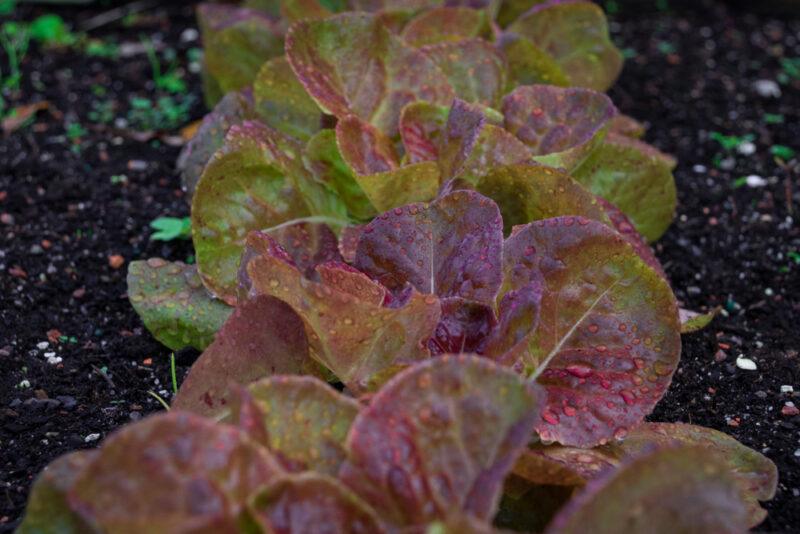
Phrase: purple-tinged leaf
[755,474]
[234,108]
[692,321]
[243,188]
[628,126]
[575,34]
[175,472]
[236,42]
[310,503]
[348,241]
[684,489]
[511,10]
[518,313]
[361,343]
[364,148]
[346,279]
[560,125]
[418,182]
[263,337]
[173,304]
[622,224]
[325,163]
[463,328]
[48,511]
[527,193]
[302,421]
[563,466]
[308,244]
[449,248]
[636,178]
[352,64]
[474,69]
[445,25]
[439,439]
[294,10]
[474,144]
[422,129]
[282,102]
[527,64]
[608,339]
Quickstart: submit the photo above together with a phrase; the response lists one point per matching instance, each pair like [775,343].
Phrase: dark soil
[65,211]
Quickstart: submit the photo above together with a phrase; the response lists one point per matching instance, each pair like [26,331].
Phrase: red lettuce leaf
[175,472]
[352,64]
[48,511]
[236,42]
[608,339]
[173,304]
[449,248]
[263,337]
[363,344]
[575,34]
[302,421]
[561,126]
[684,489]
[235,108]
[445,25]
[439,439]
[310,503]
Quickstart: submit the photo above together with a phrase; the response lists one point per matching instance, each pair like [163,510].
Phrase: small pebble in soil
[755,180]
[787,389]
[116,261]
[767,89]
[746,149]
[42,345]
[745,363]
[789,409]
[91,438]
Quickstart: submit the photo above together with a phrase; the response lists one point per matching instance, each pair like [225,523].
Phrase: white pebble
[699,169]
[755,180]
[91,437]
[25,384]
[745,363]
[787,389]
[747,148]
[42,345]
[767,89]
[189,35]
[52,359]
[797,453]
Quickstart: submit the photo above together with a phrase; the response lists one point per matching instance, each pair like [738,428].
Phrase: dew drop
[550,417]
[628,397]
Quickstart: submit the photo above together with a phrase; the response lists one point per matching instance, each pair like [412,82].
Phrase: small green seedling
[14,38]
[165,113]
[731,142]
[169,80]
[773,118]
[171,228]
[51,30]
[101,49]
[791,67]
[782,151]
[7,7]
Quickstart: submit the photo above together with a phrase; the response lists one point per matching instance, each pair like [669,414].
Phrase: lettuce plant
[309,143]
[561,42]
[262,178]
[437,449]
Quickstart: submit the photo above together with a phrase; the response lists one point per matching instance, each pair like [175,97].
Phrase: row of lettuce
[435,208]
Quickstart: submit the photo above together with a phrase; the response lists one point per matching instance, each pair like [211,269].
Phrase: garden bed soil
[72,209]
